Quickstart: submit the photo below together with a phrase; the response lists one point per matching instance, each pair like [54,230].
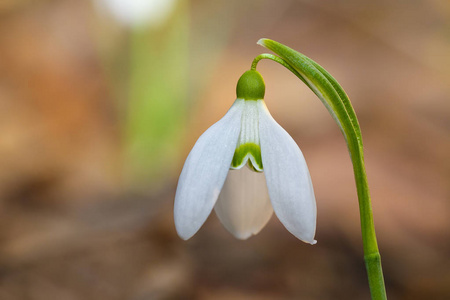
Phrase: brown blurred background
[97,115]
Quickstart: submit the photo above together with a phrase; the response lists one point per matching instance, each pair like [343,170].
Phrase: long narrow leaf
[323,85]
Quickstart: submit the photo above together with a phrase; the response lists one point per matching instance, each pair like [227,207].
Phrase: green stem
[339,106]
[272,57]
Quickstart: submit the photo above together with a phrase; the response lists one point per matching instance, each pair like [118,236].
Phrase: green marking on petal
[248,152]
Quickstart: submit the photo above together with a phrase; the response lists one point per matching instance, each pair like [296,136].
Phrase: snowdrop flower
[139,12]
[246,135]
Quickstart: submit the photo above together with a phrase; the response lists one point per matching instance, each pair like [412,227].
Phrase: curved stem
[281,62]
[339,106]
[272,57]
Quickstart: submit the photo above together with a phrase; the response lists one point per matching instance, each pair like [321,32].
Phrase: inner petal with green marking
[248,150]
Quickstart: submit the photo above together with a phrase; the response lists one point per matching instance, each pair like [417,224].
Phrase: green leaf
[323,85]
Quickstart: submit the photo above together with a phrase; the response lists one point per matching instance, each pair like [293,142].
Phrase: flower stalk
[338,104]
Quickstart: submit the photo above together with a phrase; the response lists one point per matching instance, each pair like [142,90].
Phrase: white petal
[248,137]
[204,172]
[288,180]
[243,206]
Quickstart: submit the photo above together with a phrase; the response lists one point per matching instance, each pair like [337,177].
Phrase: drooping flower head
[246,136]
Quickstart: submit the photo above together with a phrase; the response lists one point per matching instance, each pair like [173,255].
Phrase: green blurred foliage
[158,97]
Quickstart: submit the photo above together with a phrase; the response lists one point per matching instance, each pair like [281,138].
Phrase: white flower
[246,135]
[139,12]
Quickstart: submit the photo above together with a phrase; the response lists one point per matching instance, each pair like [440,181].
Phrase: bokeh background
[101,101]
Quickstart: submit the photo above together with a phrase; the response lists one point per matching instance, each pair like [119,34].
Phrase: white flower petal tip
[244,207]
[183,233]
[243,235]
[288,180]
[205,171]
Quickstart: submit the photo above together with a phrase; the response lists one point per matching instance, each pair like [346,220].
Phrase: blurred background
[101,101]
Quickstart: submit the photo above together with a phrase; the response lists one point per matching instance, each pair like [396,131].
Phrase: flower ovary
[251,86]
